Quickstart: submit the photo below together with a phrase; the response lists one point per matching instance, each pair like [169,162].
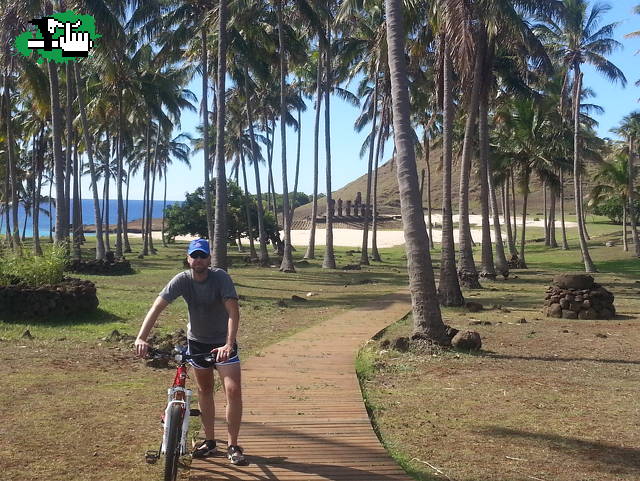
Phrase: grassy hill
[389,199]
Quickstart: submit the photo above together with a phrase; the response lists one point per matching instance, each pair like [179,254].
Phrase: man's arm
[231,305]
[150,319]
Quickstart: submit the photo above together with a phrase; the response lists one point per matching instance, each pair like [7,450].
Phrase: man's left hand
[223,353]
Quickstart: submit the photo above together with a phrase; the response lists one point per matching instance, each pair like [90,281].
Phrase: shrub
[30,270]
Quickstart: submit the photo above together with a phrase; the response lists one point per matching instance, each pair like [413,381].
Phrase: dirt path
[304,418]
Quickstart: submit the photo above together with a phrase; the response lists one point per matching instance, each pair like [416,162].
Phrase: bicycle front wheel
[172,451]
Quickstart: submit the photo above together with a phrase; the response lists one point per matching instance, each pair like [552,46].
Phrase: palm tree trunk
[522,264]
[625,245]
[164,206]
[632,196]
[58,160]
[120,205]
[588,263]
[545,208]
[427,318]
[364,256]
[107,231]
[270,192]
[253,255]
[311,248]
[77,206]
[287,259]
[507,219]
[295,183]
[565,244]
[329,261]
[488,269]
[50,209]
[100,250]
[582,209]
[427,155]
[264,254]
[467,271]
[553,192]
[69,145]
[219,257]
[127,245]
[513,204]
[205,129]
[37,169]
[13,170]
[152,179]
[375,255]
[449,292]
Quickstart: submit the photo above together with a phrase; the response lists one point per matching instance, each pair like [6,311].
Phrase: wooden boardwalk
[304,418]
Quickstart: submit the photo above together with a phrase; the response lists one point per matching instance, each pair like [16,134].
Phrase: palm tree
[612,182]
[427,318]
[575,37]
[630,129]
[449,291]
[636,10]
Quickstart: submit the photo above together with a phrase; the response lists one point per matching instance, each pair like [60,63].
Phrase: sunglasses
[198,255]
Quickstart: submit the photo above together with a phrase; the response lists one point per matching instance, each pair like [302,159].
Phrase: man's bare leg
[231,380]
[204,380]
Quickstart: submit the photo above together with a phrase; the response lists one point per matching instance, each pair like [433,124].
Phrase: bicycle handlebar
[178,356]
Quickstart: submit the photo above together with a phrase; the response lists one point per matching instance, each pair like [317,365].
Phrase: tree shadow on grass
[99,316]
[494,355]
[601,452]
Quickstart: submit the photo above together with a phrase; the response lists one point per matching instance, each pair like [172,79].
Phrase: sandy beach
[386,238]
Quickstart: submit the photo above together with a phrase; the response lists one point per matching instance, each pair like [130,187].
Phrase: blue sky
[345,142]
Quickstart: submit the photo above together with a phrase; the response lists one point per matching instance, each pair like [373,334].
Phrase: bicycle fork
[181,396]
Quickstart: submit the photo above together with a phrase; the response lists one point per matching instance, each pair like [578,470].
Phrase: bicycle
[177,413]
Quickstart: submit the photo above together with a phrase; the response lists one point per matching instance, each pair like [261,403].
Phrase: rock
[606,314]
[567,314]
[351,267]
[555,310]
[521,321]
[310,294]
[26,335]
[588,314]
[467,340]
[609,244]
[603,336]
[573,281]
[564,303]
[400,344]
[474,306]
[586,303]
[451,332]
[298,298]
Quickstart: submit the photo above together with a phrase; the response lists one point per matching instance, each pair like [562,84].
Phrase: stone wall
[72,296]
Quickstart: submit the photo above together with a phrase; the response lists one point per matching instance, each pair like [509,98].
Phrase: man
[213,324]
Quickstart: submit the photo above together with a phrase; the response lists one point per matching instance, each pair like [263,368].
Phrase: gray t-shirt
[208,318]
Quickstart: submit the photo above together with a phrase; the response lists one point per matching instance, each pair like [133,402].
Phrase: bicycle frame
[178,394]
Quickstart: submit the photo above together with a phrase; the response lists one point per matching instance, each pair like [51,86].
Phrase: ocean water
[135,213]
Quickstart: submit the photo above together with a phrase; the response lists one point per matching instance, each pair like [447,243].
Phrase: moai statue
[358,203]
[348,208]
[332,207]
[339,207]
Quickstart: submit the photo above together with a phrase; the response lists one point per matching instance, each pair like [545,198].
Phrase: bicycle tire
[172,449]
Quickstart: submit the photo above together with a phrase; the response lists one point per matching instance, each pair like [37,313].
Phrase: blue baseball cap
[198,245]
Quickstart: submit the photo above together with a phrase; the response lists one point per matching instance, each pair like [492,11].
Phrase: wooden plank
[304,418]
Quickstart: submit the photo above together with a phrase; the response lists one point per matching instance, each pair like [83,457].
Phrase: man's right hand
[142,347]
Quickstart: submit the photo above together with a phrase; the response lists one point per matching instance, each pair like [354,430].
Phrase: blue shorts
[195,347]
